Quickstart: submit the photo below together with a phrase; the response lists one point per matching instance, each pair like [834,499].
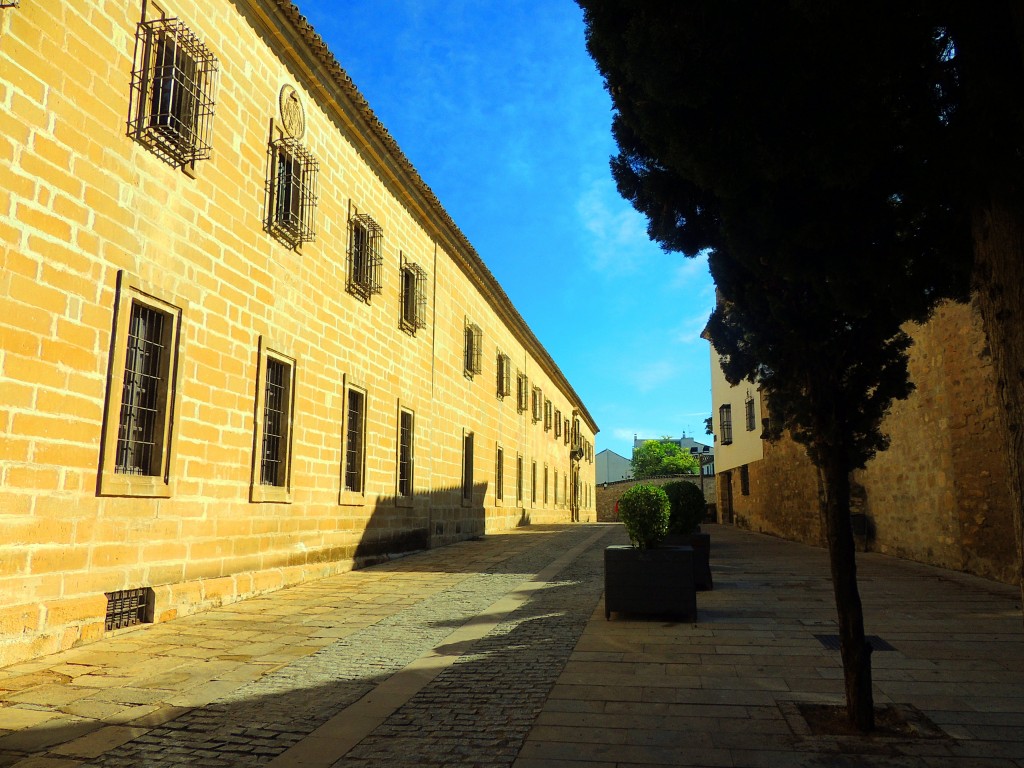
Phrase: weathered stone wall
[939,494]
[609,493]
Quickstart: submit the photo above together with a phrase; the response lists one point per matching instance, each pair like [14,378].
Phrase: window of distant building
[142,393]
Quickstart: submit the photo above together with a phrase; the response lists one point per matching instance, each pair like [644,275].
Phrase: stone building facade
[938,495]
[241,342]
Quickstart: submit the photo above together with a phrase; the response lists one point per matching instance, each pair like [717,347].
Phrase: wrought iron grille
[504,375]
[558,423]
[144,394]
[499,475]
[748,406]
[364,258]
[405,454]
[474,342]
[128,607]
[725,424]
[354,442]
[467,467]
[293,192]
[522,392]
[547,415]
[414,297]
[173,92]
[537,401]
[273,462]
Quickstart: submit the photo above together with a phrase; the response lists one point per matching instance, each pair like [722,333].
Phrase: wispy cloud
[688,332]
[653,375]
[618,240]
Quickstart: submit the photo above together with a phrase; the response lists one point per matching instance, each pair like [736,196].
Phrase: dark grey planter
[649,581]
[701,543]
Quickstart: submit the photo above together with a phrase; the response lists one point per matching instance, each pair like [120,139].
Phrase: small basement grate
[128,607]
[831,642]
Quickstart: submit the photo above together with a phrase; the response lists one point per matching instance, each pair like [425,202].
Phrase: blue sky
[503,113]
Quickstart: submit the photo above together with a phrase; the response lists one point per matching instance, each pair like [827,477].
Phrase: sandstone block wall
[86,212]
[609,493]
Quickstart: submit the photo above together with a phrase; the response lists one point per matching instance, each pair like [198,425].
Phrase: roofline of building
[305,48]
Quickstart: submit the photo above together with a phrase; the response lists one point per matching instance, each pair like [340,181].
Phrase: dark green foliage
[687,507]
[644,510]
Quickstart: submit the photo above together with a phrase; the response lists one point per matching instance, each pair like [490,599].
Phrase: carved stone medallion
[293,118]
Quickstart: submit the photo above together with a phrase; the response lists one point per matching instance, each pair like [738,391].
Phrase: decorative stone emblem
[293,118]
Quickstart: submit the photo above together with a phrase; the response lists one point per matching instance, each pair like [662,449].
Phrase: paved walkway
[497,653]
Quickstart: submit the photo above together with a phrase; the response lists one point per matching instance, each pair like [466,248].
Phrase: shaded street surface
[496,653]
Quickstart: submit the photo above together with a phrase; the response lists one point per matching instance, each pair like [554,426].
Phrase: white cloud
[688,332]
[618,234]
[647,378]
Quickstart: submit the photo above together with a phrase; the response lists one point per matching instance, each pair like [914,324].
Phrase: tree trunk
[998,229]
[855,650]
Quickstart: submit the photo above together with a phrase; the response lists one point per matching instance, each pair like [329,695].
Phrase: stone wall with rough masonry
[95,224]
[609,493]
[939,494]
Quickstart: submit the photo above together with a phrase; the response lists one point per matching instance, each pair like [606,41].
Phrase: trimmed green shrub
[644,510]
[687,507]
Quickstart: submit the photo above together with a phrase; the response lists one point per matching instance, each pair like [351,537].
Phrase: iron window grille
[566,431]
[533,482]
[414,298]
[354,441]
[745,480]
[545,492]
[522,392]
[558,423]
[293,192]
[725,424]
[519,479]
[547,415]
[405,455]
[467,467]
[364,257]
[504,375]
[276,424]
[173,85]
[537,403]
[144,398]
[748,406]
[499,475]
[129,607]
[473,352]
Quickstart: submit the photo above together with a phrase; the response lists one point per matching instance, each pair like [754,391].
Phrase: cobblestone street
[496,652]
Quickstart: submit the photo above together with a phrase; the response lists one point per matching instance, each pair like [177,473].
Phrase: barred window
[725,424]
[292,187]
[414,297]
[355,434]
[545,495]
[275,408]
[522,392]
[519,479]
[364,258]
[547,415]
[533,482]
[173,86]
[142,395]
[499,474]
[405,453]
[566,431]
[537,404]
[467,467]
[504,375]
[558,423]
[748,406]
[473,349]
[276,423]
[745,480]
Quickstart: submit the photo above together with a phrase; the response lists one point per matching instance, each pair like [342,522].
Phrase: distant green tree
[662,457]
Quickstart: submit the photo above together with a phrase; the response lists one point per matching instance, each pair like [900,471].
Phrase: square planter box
[701,543]
[654,581]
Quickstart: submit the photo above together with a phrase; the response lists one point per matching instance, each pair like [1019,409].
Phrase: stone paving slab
[497,653]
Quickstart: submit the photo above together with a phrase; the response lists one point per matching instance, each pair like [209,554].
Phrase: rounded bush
[687,507]
[644,510]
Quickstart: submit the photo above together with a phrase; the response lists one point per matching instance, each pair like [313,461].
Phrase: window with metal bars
[519,479]
[499,474]
[129,607]
[545,485]
[405,453]
[364,256]
[173,92]
[533,482]
[473,350]
[293,192]
[276,424]
[522,392]
[142,422]
[467,467]
[554,485]
[566,431]
[547,415]
[504,375]
[537,404]
[558,423]
[745,480]
[355,434]
[748,406]
[725,424]
[414,298]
